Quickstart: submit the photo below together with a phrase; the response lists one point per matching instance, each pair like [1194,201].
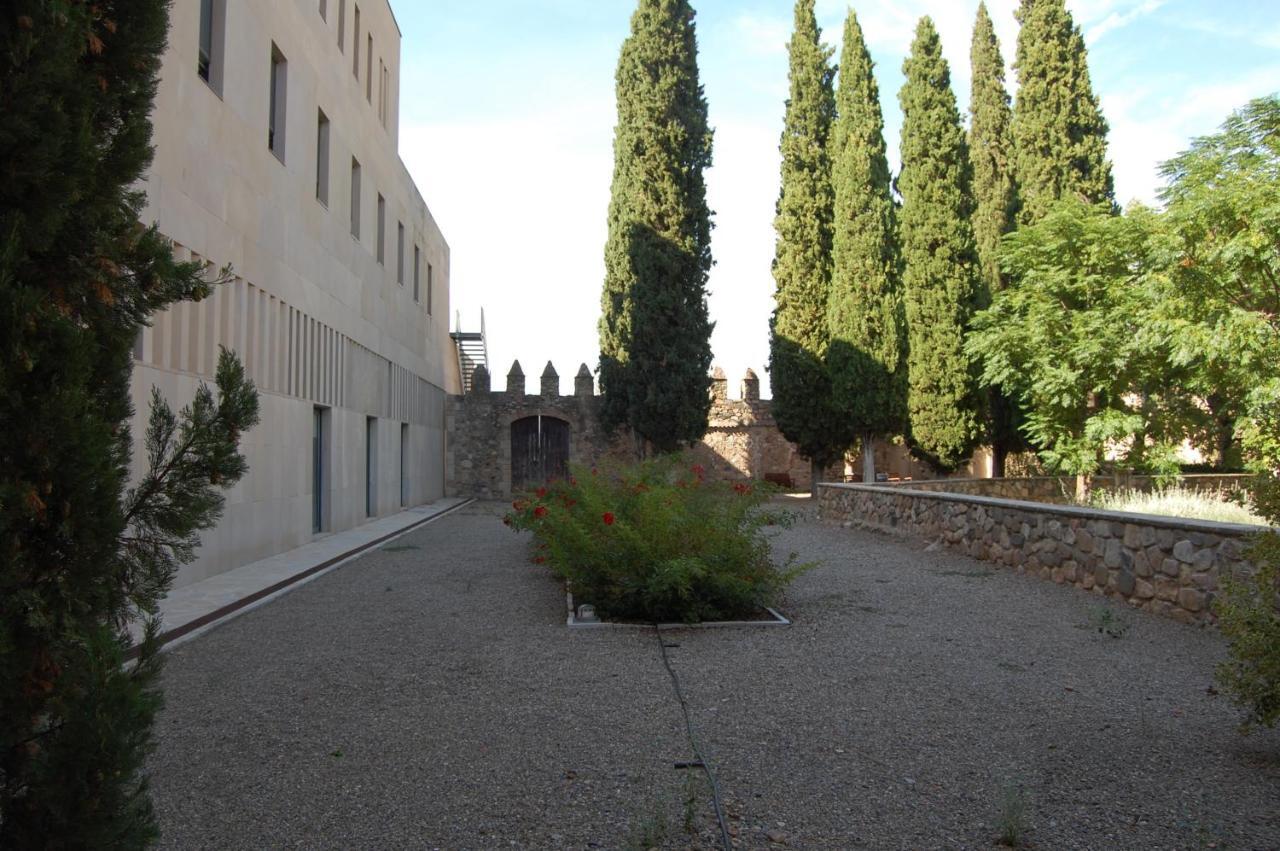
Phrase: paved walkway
[429,695]
[187,610]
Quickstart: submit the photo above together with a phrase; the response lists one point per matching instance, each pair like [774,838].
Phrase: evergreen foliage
[1059,134]
[996,202]
[802,404]
[940,260]
[867,350]
[655,332]
[79,557]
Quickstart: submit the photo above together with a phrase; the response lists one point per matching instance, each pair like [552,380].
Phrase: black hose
[693,742]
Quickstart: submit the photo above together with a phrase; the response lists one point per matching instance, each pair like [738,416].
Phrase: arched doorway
[539,451]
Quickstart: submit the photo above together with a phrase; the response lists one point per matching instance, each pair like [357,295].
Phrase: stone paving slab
[433,698]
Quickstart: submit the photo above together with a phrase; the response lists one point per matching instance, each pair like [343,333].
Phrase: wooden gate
[539,451]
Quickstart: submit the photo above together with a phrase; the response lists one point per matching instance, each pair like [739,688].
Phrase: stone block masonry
[742,440]
[1168,566]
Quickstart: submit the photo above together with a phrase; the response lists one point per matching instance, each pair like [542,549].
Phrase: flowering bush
[657,542]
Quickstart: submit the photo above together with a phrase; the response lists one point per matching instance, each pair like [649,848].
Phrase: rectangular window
[400,253]
[368,70]
[382,87]
[371,466]
[322,158]
[404,464]
[355,198]
[209,60]
[319,451]
[429,287]
[355,46]
[324,10]
[342,25]
[279,89]
[381,250]
[417,264]
[386,94]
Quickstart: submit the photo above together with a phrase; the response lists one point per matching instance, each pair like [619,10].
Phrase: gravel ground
[430,696]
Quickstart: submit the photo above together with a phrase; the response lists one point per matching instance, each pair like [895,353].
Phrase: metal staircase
[473,350]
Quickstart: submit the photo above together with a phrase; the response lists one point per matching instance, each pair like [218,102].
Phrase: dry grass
[1179,502]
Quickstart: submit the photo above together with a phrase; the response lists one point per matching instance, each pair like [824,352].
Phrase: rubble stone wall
[1169,566]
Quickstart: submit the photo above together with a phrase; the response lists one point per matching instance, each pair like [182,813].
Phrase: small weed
[651,832]
[399,548]
[1012,822]
[1107,622]
[336,754]
[690,803]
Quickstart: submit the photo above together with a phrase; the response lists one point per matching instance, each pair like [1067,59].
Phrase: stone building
[276,134]
[501,441]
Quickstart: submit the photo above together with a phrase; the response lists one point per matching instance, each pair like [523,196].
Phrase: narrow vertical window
[324,10]
[322,158]
[355,198]
[386,94]
[400,253]
[355,46]
[209,58]
[342,25]
[382,87]
[279,89]
[429,282]
[371,466]
[404,464]
[319,451]
[368,70]
[381,250]
[417,265]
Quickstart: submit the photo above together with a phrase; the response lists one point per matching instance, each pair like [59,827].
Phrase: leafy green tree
[1076,340]
[867,350]
[81,555]
[655,332]
[1059,134]
[798,334]
[996,203]
[940,259]
[1224,295]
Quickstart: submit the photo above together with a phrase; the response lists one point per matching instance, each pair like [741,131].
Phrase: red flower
[542,493]
[520,505]
[699,470]
[539,560]
[742,488]
[608,518]
[540,511]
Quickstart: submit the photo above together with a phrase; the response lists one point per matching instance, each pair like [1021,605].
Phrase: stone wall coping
[1161,522]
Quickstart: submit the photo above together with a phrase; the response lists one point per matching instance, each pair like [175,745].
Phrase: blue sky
[507,114]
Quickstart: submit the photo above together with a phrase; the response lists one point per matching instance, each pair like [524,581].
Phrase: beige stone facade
[276,129]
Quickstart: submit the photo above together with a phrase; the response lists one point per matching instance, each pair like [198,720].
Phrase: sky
[507,117]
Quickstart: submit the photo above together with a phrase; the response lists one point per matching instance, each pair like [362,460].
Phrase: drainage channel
[701,758]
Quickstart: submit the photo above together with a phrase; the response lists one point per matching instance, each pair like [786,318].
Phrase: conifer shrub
[657,542]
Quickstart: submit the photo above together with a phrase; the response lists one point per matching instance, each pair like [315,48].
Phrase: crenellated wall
[742,439]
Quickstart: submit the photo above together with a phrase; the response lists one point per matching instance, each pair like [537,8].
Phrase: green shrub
[656,542]
[1249,615]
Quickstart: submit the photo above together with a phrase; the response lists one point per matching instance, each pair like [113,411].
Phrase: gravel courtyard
[429,695]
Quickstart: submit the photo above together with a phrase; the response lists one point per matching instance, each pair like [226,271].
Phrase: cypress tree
[655,332]
[991,151]
[1059,134]
[866,354]
[80,555]
[798,335]
[940,258]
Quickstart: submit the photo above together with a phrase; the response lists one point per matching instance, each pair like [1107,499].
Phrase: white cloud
[1119,20]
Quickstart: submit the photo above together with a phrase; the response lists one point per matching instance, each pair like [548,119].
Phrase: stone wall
[742,440]
[1169,566]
